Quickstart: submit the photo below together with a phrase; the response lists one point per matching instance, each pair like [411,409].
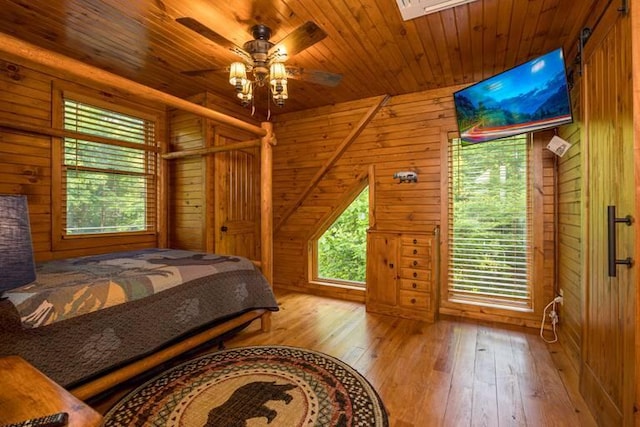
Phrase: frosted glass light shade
[238,75]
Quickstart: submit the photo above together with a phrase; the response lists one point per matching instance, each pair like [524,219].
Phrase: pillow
[16,251]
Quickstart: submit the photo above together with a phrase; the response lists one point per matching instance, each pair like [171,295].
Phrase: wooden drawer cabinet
[400,273]
[414,300]
[415,285]
[415,274]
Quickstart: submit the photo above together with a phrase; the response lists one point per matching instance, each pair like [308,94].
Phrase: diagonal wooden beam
[362,124]
[346,198]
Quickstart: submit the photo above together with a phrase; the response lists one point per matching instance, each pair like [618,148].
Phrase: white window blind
[489,223]
[109,171]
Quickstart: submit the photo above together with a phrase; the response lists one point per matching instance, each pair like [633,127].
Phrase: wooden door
[236,198]
[382,271]
[607,374]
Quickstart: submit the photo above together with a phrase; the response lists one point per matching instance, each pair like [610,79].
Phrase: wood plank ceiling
[367,42]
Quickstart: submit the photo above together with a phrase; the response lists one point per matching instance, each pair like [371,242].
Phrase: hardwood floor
[448,373]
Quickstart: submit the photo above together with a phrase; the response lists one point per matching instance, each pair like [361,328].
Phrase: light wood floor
[451,373]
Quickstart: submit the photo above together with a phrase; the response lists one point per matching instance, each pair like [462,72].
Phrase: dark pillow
[16,251]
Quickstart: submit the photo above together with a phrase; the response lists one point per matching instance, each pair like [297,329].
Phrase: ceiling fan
[265,59]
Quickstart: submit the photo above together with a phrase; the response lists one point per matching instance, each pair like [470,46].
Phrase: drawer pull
[391,265]
[414,285]
[415,263]
[413,300]
[415,274]
[415,252]
[415,241]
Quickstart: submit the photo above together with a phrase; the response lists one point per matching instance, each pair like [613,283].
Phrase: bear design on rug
[249,402]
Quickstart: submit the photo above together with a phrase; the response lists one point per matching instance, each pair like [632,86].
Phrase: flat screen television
[529,97]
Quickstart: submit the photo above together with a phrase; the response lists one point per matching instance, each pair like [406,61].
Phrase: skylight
[411,9]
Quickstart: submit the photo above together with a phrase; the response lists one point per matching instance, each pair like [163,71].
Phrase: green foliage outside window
[110,185]
[489,229]
[342,249]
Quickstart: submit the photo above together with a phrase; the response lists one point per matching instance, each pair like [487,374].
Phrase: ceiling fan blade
[298,40]
[320,77]
[207,32]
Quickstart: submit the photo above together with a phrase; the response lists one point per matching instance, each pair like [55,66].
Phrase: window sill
[336,284]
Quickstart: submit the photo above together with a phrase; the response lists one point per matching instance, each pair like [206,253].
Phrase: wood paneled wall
[187,185]
[194,180]
[570,231]
[25,159]
[405,135]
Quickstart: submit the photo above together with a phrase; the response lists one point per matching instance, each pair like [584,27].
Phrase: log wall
[405,135]
[25,159]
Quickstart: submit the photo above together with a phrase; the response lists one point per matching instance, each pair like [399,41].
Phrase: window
[341,251]
[108,169]
[490,223]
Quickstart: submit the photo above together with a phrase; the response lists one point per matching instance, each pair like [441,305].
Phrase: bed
[92,322]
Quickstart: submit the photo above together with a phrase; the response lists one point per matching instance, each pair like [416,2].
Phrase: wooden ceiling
[367,41]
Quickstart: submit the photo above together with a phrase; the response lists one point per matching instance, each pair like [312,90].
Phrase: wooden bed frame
[112,379]
[78,71]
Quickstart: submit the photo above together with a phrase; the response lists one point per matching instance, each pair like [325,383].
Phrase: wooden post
[266,202]
[72,69]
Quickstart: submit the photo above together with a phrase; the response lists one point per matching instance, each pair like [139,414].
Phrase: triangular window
[341,251]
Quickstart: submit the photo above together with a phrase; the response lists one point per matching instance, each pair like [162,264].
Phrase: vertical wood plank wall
[570,245]
[25,160]
[404,135]
[187,198]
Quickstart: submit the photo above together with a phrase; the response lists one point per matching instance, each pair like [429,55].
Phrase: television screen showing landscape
[530,97]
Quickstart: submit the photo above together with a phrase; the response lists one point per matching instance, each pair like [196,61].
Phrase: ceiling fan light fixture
[277,76]
[246,93]
[280,97]
[264,60]
[238,75]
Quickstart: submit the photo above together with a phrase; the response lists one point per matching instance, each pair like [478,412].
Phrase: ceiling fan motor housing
[261,32]
[259,51]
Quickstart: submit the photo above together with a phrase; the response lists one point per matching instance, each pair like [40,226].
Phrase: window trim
[527,316]
[325,225]
[490,296]
[60,240]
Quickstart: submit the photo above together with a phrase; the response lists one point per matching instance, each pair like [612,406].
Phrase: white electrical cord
[554,320]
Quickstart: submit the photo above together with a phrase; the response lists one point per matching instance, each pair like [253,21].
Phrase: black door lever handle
[611,231]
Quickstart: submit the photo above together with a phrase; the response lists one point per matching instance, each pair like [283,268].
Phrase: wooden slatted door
[607,374]
[236,198]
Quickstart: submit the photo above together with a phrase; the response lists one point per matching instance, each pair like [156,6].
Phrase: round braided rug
[254,386]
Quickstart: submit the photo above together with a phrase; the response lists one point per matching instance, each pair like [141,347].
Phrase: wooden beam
[357,130]
[211,150]
[76,70]
[63,133]
[266,202]
[372,197]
